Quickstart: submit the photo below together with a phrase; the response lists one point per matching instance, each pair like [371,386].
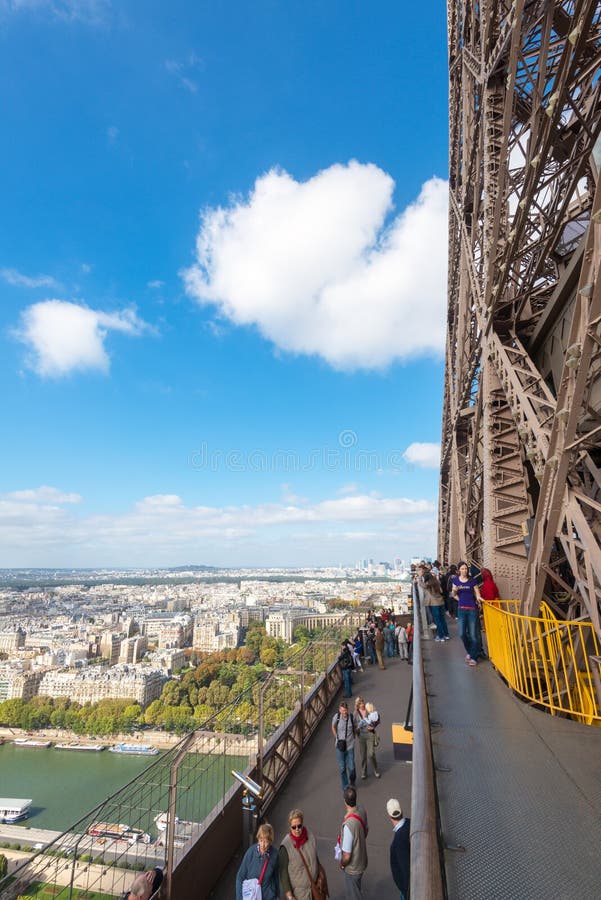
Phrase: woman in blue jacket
[261,861]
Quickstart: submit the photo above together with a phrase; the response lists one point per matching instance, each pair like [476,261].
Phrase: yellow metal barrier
[548,661]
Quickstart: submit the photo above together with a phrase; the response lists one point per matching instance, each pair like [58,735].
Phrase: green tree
[254,636]
[11,712]
[268,656]
[3,866]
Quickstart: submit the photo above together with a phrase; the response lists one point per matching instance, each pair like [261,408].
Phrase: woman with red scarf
[298,860]
[488,589]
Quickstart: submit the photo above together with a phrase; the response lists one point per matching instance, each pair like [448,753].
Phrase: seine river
[65,784]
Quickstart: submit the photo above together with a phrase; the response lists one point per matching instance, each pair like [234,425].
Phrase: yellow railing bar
[545,659]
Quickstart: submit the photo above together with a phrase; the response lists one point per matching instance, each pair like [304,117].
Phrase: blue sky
[222,269]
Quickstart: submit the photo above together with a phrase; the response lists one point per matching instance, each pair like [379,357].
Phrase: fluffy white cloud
[317,268]
[63,337]
[90,12]
[161,529]
[43,494]
[18,279]
[426,456]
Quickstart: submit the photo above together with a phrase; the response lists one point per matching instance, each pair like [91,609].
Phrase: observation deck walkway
[519,790]
[314,787]
[523,792]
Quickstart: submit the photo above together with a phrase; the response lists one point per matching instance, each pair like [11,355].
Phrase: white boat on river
[13,810]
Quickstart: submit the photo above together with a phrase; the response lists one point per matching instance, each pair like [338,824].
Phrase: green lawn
[42,891]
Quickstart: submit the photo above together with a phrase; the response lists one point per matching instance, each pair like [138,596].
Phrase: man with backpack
[345,661]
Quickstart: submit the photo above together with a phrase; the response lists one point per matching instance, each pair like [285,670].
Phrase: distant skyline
[223,277]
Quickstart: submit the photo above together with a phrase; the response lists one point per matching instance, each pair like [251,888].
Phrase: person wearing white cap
[400,848]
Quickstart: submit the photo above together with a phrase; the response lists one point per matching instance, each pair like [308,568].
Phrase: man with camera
[344,729]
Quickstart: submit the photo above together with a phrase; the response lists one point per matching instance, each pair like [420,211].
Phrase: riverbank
[206,741]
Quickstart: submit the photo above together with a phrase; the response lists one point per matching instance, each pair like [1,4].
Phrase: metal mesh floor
[523,793]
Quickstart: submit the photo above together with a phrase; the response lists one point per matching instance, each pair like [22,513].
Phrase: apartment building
[120,682]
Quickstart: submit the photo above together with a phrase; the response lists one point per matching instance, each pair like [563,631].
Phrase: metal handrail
[426,868]
[548,661]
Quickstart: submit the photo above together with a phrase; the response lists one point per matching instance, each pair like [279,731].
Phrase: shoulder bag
[319,887]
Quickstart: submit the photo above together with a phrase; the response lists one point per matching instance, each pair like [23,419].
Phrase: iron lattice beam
[521,436]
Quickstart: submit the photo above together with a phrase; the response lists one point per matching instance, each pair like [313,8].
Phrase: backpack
[345,659]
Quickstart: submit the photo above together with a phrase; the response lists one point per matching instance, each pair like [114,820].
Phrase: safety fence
[157,819]
[550,662]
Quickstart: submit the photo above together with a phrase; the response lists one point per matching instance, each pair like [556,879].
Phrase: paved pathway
[314,786]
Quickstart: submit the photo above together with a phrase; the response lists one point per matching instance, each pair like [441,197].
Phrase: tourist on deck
[367,722]
[409,631]
[353,845]
[389,637]
[401,634]
[357,651]
[451,600]
[145,885]
[343,729]
[380,643]
[261,861]
[345,661]
[465,589]
[299,863]
[370,646]
[434,602]
[400,848]
[488,589]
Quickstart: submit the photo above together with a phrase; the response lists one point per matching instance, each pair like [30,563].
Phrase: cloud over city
[321,268]
[36,523]
[63,337]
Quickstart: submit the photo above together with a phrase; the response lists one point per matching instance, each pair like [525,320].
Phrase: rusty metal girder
[521,431]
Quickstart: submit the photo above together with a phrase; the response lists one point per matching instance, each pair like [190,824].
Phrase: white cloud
[290,497]
[182,70]
[315,266]
[43,494]
[426,456]
[155,284]
[351,488]
[160,528]
[89,12]
[11,276]
[63,337]
[112,134]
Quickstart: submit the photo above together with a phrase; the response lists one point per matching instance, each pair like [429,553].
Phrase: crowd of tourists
[457,593]
[294,871]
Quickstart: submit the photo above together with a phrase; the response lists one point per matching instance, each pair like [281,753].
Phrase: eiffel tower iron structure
[520,488]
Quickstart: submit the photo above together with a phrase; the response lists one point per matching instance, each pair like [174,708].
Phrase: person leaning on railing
[145,885]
